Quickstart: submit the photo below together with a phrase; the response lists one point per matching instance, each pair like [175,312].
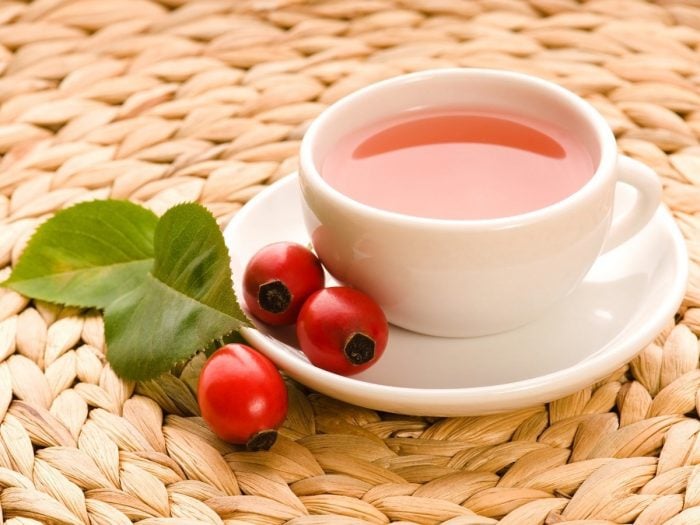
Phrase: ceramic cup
[463,278]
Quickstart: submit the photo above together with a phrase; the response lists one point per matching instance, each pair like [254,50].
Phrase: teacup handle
[648,187]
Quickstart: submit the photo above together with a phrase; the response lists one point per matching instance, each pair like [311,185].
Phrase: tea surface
[458,164]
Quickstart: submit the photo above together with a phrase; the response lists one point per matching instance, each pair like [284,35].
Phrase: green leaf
[182,306]
[87,255]
[233,337]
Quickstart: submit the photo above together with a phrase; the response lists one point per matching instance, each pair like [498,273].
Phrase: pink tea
[458,164]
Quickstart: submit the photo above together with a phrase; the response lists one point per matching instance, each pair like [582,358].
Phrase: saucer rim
[489,398]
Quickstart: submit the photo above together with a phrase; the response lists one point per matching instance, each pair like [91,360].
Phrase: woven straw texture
[161,102]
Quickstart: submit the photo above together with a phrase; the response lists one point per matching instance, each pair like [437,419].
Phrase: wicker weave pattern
[207,100]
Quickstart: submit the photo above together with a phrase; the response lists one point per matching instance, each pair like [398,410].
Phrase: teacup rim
[310,174]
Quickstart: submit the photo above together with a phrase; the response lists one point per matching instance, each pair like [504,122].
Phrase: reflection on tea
[458,164]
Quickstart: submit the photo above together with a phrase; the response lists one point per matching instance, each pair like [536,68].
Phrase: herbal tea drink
[466,201]
[454,163]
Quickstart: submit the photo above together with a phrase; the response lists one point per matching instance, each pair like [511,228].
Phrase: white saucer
[621,306]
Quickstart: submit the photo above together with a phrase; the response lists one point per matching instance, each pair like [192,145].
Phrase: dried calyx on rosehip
[278,279]
[342,330]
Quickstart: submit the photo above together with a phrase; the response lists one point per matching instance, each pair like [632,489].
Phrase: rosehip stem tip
[262,440]
[274,297]
[359,349]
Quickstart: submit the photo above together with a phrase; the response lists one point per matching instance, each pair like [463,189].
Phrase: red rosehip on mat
[242,396]
[278,279]
[342,330]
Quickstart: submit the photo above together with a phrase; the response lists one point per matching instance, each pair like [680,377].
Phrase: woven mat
[161,102]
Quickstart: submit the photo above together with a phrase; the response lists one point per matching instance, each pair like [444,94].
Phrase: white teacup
[462,278]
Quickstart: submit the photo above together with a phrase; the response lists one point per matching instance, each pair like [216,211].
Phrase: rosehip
[242,396]
[342,330]
[278,279]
